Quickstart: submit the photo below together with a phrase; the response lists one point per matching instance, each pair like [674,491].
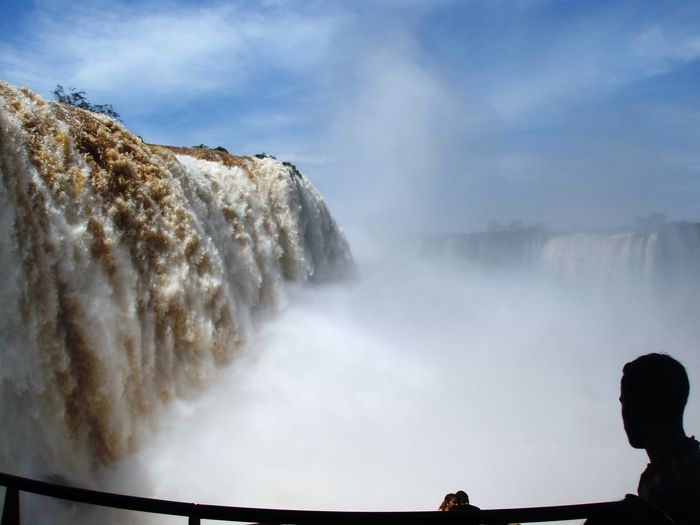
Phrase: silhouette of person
[463,502]
[459,501]
[653,394]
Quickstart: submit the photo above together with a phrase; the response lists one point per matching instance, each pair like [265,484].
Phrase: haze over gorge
[189,324]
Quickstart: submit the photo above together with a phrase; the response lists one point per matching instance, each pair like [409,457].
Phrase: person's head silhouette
[653,393]
[462,497]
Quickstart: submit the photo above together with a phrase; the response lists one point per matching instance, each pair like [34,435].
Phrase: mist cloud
[424,378]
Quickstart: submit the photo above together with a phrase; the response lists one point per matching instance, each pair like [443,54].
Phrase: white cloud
[165,50]
[663,50]
[589,60]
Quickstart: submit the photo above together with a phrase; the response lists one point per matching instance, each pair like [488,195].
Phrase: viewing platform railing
[195,512]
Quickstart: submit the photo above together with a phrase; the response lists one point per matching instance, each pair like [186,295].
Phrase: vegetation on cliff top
[79,99]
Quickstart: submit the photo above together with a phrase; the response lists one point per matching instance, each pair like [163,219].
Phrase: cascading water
[663,257]
[602,257]
[666,255]
[129,272]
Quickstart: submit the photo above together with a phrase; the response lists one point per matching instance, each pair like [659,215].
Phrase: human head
[462,497]
[654,388]
[449,502]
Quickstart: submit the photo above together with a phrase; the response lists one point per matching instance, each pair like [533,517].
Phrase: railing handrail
[198,512]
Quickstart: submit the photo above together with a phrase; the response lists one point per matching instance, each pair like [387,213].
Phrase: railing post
[10,512]
[193,520]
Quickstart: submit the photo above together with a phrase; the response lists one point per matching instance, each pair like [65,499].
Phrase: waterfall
[667,255]
[601,257]
[129,272]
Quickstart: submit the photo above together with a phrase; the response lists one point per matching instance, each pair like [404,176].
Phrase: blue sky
[421,116]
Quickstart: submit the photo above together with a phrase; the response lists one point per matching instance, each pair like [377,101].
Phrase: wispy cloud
[165,49]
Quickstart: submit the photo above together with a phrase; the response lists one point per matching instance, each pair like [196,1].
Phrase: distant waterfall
[602,257]
[128,272]
[669,253]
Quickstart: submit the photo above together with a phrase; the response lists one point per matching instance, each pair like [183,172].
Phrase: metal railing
[195,512]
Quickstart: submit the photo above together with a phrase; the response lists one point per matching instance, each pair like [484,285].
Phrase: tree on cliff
[78,99]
